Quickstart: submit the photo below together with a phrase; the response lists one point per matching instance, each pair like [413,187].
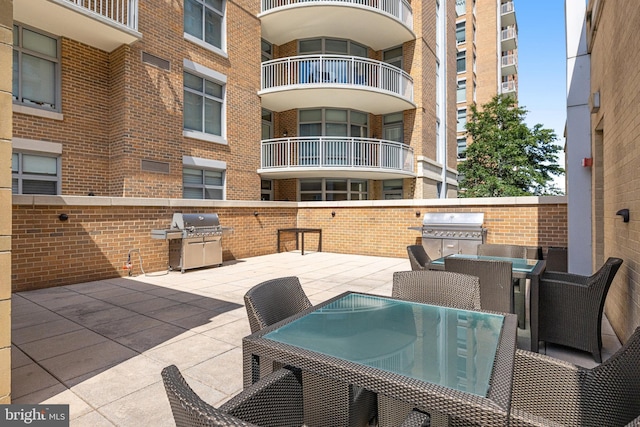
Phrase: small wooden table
[299,231]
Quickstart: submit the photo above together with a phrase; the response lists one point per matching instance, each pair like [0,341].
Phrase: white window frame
[463,25]
[216,77]
[460,150]
[392,193]
[22,146]
[222,50]
[461,54]
[33,107]
[197,163]
[460,126]
[461,85]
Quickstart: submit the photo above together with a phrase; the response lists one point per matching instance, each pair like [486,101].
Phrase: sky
[542,66]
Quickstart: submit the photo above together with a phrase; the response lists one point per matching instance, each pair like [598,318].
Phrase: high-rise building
[273,100]
[487,57]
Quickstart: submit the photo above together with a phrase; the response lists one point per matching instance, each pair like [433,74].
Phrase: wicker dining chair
[437,287]
[418,257]
[443,288]
[496,281]
[548,391]
[571,305]
[519,285]
[274,300]
[275,400]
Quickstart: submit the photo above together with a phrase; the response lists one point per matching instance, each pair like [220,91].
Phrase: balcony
[507,14]
[509,87]
[103,24]
[378,24]
[310,81]
[509,64]
[314,157]
[509,39]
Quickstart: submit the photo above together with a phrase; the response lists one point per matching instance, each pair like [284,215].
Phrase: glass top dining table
[520,267]
[436,358]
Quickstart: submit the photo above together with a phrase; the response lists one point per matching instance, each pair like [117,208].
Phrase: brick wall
[6,53]
[616,149]
[100,232]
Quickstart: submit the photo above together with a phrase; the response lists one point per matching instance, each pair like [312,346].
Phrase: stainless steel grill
[195,240]
[452,233]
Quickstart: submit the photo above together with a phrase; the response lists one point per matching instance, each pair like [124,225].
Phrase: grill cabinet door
[450,246]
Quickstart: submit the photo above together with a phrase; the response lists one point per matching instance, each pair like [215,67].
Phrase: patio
[100,346]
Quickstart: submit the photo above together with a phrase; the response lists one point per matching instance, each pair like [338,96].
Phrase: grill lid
[195,221]
[453,219]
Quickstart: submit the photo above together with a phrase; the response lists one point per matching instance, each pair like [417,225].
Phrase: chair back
[188,408]
[614,387]
[507,251]
[600,282]
[418,257]
[496,282]
[438,288]
[557,259]
[273,300]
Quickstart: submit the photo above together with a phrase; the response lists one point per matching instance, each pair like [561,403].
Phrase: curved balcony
[380,24]
[104,24]
[310,81]
[313,157]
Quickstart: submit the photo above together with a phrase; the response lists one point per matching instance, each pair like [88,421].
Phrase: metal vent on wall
[154,60]
[153,166]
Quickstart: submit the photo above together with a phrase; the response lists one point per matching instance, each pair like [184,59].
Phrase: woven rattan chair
[519,286]
[275,400]
[570,307]
[496,282]
[437,287]
[428,287]
[418,257]
[548,391]
[274,300]
[557,259]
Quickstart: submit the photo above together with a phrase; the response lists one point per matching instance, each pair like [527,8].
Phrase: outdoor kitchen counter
[301,231]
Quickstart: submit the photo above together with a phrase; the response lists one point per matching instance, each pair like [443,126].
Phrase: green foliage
[505,157]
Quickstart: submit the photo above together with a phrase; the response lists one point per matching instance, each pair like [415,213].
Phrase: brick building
[487,57]
[603,144]
[234,100]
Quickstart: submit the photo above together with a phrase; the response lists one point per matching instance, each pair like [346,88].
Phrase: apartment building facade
[209,99]
[603,88]
[486,58]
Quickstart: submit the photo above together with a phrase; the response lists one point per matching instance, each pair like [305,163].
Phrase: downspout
[442,134]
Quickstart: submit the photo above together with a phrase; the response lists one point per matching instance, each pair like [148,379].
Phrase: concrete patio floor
[100,346]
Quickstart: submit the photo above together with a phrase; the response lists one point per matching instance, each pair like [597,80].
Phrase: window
[393,57]
[461,7]
[461,36]
[267,124]
[332,46]
[392,189]
[462,147]
[203,105]
[35,174]
[204,20]
[462,119]
[266,189]
[392,128]
[202,183]
[461,61]
[462,91]
[36,69]
[267,50]
[333,189]
[334,122]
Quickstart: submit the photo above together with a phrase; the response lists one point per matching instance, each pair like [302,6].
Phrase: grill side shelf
[166,234]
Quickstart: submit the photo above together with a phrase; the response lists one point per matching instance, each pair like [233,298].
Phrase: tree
[505,157]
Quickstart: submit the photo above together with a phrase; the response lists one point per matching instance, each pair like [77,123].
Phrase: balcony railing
[506,7]
[400,9]
[336,70]
[509,60]
[332,152]
[509,86]
[508,33]
[123,12]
